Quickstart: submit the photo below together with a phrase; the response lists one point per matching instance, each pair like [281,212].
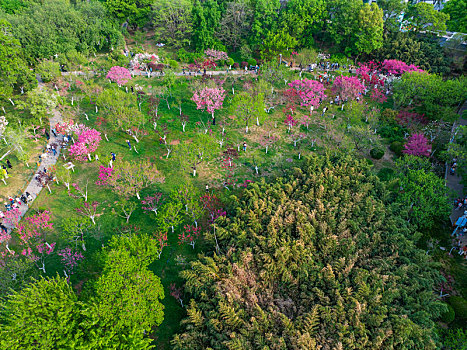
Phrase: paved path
[34,188]
[454,181]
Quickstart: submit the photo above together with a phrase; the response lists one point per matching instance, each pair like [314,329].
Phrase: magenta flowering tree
[190,235]
[152,203]
[210,99]
[290,122]
[161,238]
[309,92]
[88,210]
[378,96]
[215,55]
[32,234]
[417,145]
[268,141]
[347,87]
[119,75]
[399,67]
[70,260]
[12,217]
[88,141]
[104,174]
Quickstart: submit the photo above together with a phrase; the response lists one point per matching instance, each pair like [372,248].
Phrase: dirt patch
[174,142]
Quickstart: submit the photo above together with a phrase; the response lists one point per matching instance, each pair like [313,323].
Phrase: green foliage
[430,94]
[134,12]
[455,339]
[57,26]
[39,103]
[425,17]
[318,259]
[377,153]
[173,64]
[386,174]
[205,19]
[14,71]
[449,315]
[457,11]
[397,147]
[230,61]
[459,305]
[422,194]
[278,42]
[172,21]
[12,6]
[458,149]
[265,13]
[48,70]
[370,25]
[252,62]
[44,315]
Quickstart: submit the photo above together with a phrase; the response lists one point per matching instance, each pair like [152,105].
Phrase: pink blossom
[417,145]
[347,87]
[216,55]
[70,259]
[399,67]
[119,75]
[310,92]
[210,99]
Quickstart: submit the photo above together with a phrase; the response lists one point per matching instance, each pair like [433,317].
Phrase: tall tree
[370,24]
[172,21]
[425,17]
[457,11]
[265,13]
[205,18]
[235,24]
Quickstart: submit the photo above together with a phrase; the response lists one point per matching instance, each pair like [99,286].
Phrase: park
[232,175]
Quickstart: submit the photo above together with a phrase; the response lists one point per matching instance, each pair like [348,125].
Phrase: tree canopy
[318,259]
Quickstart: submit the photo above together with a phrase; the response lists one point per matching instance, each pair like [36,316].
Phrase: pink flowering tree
[119,75]
[215,55]
[104,174]
[176,293]
[397,67]
[88,210]
[190,235]
[32,236]
[161,238]
[309,92]
[70,260]
[210,99]
[417,145]
[290,122]
[378,96]
[267,141]
[12,217]
[297,137]
[152,203]
[347,87]
[87,143]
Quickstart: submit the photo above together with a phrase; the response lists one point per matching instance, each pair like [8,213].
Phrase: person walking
[47,135]
[129,144]
[54,151]
[8,164]
[113,155]
[54,132]
[244,146]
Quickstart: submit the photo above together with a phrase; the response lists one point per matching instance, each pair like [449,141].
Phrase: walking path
[34,188]
[454,181]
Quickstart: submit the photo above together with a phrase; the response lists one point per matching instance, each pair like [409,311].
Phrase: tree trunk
[137,195]
[92,219]
[194,174]
[246,129]
[267,149]
[257,120]
[105,135]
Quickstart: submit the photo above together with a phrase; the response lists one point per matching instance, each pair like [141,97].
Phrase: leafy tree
[457,11]
[134,12]
[304,18]
[429,94]
[235,24]
[48,70]
[121,108]
[40,103]
[277,42]
[315,260]
[43,315]
[425,17]
[13,6]
[422,194]
[265,13]
[56,27]
[172,21]
[192,154]
[246,106]
[14,72]
[391,11]
[370,24]
[205,18]
[343,23]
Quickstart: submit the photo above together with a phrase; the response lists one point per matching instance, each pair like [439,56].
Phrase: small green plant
[397,147]
[173,64]
[377,153]
[386,174]
[252,62]
[230,61]
[449,315]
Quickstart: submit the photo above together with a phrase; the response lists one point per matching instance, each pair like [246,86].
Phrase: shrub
[459,305]
[386,174]
[236,65]
[392,132]
[252,62]
[183,56]
[230,61]
[244,64]
[449,315]
[48,70]
[173,64]
[397,147]
[377,153]
[388,116]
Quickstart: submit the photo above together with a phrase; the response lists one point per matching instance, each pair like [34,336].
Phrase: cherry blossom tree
[210,99]
[77,192]
[310,92]
[290,122]
[129,178]
[297,137]
[417,145]
[88,210]
[216,55]
[176,293]
[348,88]
[378,96]
[119,75]
[87,143]
[162,242]
[190,235]
[184,120]
[152,203]
[70,260]
[268,141]
[12,217]
[397,67]
[32,235]
[104,174]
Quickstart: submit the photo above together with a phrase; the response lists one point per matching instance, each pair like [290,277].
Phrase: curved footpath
[34,188]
